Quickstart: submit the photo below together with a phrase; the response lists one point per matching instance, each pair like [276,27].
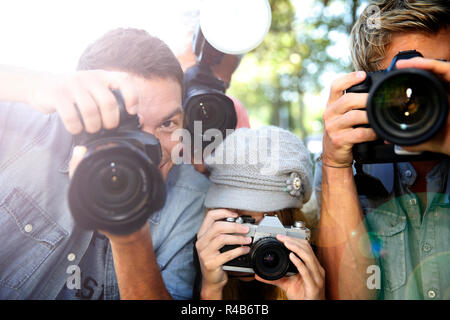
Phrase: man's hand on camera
[339,119]
[441,142]
[85,93]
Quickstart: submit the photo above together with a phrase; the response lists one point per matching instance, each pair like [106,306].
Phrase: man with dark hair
[43,251]
[392,244]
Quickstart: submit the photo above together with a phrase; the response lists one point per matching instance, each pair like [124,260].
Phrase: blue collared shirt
[41,245]
[411,245]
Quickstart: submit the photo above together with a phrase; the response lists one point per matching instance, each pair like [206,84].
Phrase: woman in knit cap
[256,172]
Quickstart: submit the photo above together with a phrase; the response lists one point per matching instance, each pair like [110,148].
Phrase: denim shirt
[411,248]
[39,240]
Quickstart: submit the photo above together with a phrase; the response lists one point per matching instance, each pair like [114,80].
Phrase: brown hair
[372,33]
[236,289]
[134,51]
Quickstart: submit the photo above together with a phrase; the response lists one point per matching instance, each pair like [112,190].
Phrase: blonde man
[392,246]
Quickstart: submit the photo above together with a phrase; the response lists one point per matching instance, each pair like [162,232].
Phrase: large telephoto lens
[407,107]
[269,259]
[115,188]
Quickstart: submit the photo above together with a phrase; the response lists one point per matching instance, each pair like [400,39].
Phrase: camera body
[117,184]
[268,257]
[405,107]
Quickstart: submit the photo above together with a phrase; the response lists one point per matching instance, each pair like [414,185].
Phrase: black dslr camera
[268,257]
[405,107]
[118,184]
[204,98]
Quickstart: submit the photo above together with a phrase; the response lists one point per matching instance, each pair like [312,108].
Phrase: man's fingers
[343,83]
[70,117]
[87,108]
[441,68]
[359,135]
[350,101]
[347,121]
[122,81]
[108,106]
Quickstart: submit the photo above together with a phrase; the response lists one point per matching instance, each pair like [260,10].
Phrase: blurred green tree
[273,79]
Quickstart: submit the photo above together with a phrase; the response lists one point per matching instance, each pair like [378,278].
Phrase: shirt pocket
[387,231]
[27,237]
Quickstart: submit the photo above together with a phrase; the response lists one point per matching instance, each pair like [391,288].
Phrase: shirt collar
[385,173]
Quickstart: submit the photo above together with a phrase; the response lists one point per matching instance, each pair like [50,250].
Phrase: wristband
[329,165]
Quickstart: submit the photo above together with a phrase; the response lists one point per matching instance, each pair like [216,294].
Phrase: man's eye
[167,124]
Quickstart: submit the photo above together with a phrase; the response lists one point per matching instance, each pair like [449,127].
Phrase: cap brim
[232,197]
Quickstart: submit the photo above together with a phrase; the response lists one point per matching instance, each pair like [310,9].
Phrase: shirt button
[71,256]
[28,228]
[431,294]
[408,173]
[426,247]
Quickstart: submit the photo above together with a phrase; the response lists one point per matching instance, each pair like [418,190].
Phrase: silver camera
[268,257]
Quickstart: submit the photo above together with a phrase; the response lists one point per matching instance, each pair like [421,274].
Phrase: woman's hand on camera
[211,237]
[339,119]
[309,283]
[85,93]
[441,142]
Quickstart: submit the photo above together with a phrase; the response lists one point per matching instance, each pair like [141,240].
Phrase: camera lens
[115,188]
[215,111]
[269,258]
[407,107]
[116,183]
[208,109]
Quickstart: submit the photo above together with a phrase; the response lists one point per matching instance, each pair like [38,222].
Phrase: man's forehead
[430,46]
[159,97]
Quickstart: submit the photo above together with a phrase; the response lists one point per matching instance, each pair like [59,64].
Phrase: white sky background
[50,35]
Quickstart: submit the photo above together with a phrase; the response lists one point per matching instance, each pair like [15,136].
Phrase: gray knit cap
[264,170]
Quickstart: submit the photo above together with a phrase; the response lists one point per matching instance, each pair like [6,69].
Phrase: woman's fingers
[212,216]
[211,262]
[303,250]
[222,240]
[217,228]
